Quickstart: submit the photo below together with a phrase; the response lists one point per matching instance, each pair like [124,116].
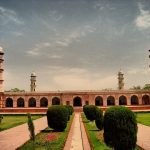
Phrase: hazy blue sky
[75,44]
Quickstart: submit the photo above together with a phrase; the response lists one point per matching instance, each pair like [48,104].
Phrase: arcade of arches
[76,101]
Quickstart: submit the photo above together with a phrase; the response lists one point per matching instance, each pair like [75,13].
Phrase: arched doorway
[55,101]
[122,100]
[86,102]
[134,100]
[9,102]
[77,101]
[32,102]
[43,102]
[67,102]
[145,100]
[99,101]
[20,102]
[110,101]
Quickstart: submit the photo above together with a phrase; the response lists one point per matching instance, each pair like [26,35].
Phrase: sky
[75,44]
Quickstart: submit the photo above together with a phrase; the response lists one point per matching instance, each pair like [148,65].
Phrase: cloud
[62,41]
[54,56]
[143,20]
[17,34]
[7,16]
[136,71]
[98,5]
[37,49]
[74,36]
[55,15]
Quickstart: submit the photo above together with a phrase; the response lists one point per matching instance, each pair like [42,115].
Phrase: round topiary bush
[71,109]
[99,118]
[57,117]
[90,112]
[84,109]
[120,128]
[68,111]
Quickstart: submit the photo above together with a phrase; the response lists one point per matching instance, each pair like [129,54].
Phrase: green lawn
[144,118]
[42,142]
[95,136]
[10,121]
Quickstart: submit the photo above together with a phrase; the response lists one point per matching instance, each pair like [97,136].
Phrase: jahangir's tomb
[35,101]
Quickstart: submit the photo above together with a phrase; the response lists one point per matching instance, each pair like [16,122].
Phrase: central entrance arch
[77,101]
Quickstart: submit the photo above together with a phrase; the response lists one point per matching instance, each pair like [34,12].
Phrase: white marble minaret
[33,81]
[1,69]
[120,80]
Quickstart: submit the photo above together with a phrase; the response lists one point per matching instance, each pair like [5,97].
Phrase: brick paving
[143,137]
[13,138]
[77,138]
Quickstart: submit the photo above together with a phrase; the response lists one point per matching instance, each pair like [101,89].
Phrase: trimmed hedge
[57,117]
[68,111]
[120,128]
[99,118]
[90,112]
[71,109]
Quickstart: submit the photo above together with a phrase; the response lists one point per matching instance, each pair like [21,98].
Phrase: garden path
[77,138]
[143,137]
[14,137]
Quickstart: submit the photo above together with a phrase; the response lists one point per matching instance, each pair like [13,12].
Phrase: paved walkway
[143,137]
[13,138]
[77,138]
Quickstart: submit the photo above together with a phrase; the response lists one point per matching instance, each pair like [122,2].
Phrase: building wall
[68,97]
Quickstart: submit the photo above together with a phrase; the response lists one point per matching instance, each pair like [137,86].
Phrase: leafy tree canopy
[15,90]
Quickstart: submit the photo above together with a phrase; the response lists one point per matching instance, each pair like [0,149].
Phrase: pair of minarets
[33,76]
[120,81]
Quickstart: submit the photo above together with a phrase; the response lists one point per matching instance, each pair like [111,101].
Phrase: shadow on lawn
[86,121]
[48,131]
[94,130]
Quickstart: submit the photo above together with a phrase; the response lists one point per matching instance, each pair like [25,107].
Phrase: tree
[15,90]
[146,87]
[120,128]
[31,127]
[136,87]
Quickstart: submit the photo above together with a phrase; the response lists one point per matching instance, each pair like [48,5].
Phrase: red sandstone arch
[146,100]
[43,102]
[20,102]
[122,100]
[55,101]
[99,101]
[9,102]
[134,100]
[32,102]
[110,100]
[77,101]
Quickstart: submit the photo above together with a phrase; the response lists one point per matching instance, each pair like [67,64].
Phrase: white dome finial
[33,74]
[1,49]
